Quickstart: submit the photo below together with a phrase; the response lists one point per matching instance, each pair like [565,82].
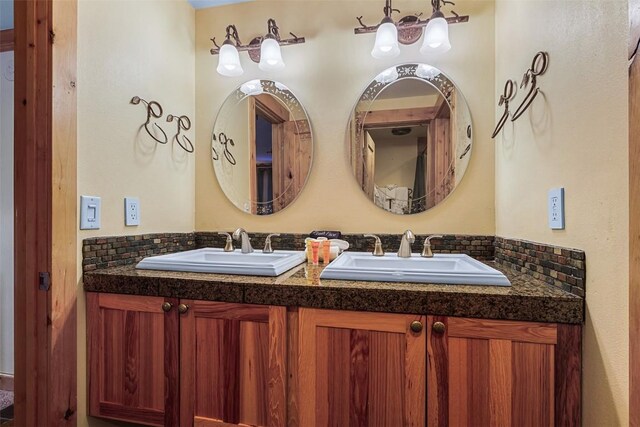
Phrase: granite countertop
[527,299]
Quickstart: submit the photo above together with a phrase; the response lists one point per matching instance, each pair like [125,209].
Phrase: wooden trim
[7,40]
[400,117]
[32,199]
[6,382]
[568,376]
[540,333]
[634,220]
[45,212]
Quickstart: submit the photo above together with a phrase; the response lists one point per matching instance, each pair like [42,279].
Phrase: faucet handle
[267,243]
[228,246]
[377,249]
[426,248]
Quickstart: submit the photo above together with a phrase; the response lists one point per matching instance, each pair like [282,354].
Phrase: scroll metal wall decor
[155,111]
[225,142]
[539,66]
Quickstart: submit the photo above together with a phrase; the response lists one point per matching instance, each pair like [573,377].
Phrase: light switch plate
[89,213]
[555,208]
[131,211]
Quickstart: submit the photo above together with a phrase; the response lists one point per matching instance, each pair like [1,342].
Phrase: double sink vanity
[207,337]
[474,330]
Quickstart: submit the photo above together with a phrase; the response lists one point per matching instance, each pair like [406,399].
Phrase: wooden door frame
[634,220]
[45,244]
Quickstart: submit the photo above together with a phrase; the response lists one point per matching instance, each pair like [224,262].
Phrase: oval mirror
[410,138]
[261,147]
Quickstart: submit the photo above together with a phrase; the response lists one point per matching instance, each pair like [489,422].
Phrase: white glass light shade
[386,45]
[387,76]
[426,71]
[270,55]
[252,87]
[229,61]
[436,37]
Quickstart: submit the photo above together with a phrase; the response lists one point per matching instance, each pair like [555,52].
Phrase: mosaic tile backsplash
[563,268]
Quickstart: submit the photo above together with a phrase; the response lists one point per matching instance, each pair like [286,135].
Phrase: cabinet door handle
[183,308]
[416,326]
[167,306]
[438,328]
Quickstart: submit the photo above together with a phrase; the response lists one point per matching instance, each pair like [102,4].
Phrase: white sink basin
[455,269]
[215,260]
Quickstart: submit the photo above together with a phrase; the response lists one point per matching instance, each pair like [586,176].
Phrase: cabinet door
[361,369]
[233,364]
[502,373]
[132,359]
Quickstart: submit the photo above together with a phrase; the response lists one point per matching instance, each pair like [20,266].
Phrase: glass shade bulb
[436,36]
[229,61]
[386,45]
[426,71]
[387,76]
[252,87]
[270,55]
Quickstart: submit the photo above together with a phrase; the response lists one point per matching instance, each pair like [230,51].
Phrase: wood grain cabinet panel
[233,365]
[132,359]
[503,373]
[360,369]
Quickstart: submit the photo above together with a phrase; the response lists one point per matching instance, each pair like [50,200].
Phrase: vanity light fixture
[409,29]
[229,60]
[386,45]
[264,50]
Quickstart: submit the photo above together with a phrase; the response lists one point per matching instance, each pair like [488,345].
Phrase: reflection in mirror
[410,139]
[261,147]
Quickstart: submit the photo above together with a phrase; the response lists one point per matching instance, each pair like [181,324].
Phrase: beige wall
[328,74]
[396,159]
[575,136]
[128,48]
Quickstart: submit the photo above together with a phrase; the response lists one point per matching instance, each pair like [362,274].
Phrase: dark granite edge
[356,296]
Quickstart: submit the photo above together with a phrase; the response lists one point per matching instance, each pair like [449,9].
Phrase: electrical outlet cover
[555,208]
[131,211]
[89,213]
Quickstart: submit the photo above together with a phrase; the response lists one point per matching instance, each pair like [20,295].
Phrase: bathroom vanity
[171,348]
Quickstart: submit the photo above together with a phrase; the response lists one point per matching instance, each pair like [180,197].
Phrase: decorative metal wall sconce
[264,50]
[409,29]
[539,66]
[184,123]
[154,110]
[225,142]
[507,95]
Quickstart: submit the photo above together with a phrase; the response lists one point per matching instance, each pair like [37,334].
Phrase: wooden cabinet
[220,364]
[233,365]
[132,359]
[502,373]
[360,369]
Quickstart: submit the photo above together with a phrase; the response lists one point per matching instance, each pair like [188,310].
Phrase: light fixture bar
[254,45]
[367,29]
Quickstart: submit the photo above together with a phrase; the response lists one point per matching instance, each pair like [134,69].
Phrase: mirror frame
[436,78]
[222,156]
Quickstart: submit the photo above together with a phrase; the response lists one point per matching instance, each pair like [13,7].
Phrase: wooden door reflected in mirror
[262,147]
[410,139]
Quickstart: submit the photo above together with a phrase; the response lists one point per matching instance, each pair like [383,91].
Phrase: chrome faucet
[228,247]
[426,249]
[267,243]
[377,248]
[242,235]
[405,244]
